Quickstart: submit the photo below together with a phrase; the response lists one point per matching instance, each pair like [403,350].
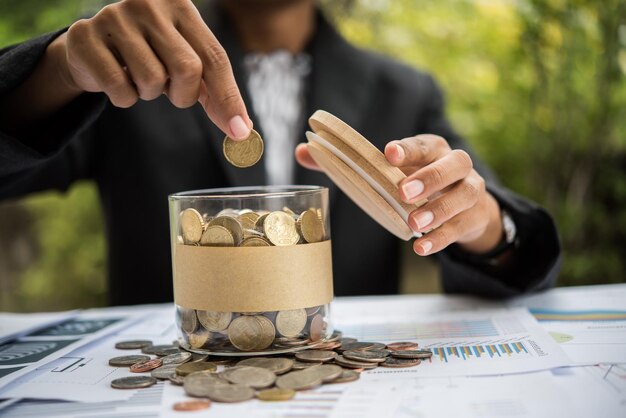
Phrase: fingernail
[238,128]
[426,247]
[400,152]
[412,189]
[423,219]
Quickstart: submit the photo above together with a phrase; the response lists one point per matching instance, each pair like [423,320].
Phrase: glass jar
[252,269]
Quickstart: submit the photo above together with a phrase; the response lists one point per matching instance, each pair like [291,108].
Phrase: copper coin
[146,366]
[191,405]
[317,328]
[404,345]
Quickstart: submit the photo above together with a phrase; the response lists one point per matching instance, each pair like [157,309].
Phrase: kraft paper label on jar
[253,279]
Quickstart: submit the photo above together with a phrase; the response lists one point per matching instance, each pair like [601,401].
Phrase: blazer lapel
[340,84]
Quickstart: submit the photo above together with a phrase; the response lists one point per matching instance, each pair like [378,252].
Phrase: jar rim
[246,192]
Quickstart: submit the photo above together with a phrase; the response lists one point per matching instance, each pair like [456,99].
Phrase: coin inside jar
[231,224]
[215,321]
[192,225]
[291,323]
[244,153]
[244,331]
[280,229]
[310,226]
[218,236]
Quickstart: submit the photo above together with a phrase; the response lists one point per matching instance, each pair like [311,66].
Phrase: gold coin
[199,339]
[255,242]
[244,153]
[276,394]
[191,225]
[231,224]
[217,236]
[215,321]
[310,226]
[244,333]
[280,229]
[291,323]
[266,338]
[248,220]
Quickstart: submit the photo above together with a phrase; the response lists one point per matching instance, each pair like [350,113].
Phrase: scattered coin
[197,383]
[400,362]
[291,323]
[176,358]
[404,345]
[347,376]
[299,380]
[276,394]
[273,364]
[244,153]
[133,382]
[300,365]
[160,349]
[127,361]
[191,405]
[146,366]
[133,344]
[353,364]
[316,355]
[326,372]
[229,393]
[197,366]
[255,377]
[176,379]
[368,356]
[412,354]
[164,372]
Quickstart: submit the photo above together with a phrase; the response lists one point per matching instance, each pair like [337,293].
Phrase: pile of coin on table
[276,378]
[252,331]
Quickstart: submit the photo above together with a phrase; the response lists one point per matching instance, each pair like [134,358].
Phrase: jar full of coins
[252,269]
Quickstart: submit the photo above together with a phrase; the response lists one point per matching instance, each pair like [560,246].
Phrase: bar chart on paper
[466,343]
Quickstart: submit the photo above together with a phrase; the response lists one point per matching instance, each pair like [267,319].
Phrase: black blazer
[138,156]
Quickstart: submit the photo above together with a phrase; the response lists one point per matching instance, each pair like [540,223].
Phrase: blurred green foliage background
[537,87]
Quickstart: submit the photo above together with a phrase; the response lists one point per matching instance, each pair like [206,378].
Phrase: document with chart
[470,343]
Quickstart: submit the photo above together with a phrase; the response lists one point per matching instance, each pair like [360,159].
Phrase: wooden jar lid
[361,171]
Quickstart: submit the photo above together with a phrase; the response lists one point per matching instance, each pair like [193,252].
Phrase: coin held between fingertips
[244,153]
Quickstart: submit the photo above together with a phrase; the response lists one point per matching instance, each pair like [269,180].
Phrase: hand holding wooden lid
[361,171]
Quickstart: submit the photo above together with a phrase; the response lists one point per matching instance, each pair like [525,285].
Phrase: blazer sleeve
[534,262]
[57,150]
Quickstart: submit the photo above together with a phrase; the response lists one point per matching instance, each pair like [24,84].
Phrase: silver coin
[361,345]
[412,354]
[133,344]
[160,349]
[316,355]
[368,356]
[163,372]
[273,364]
[176,379]
[230,393]
[133,382]
[255,377]
[299,380]
[177,358]
[127,361]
